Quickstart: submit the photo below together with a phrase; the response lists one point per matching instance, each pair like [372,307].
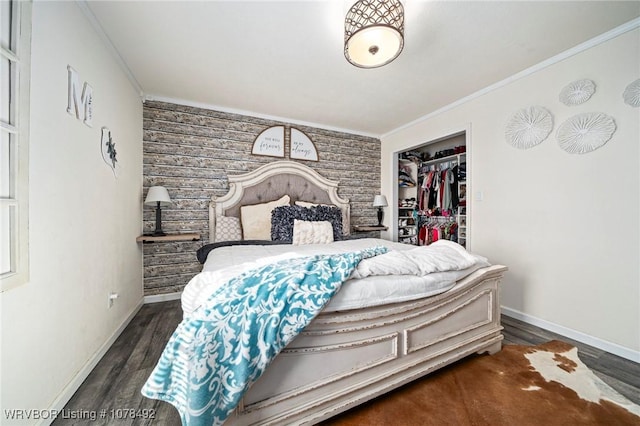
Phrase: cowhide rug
[520,385]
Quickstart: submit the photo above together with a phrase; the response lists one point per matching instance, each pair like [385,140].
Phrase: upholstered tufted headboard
[272,181]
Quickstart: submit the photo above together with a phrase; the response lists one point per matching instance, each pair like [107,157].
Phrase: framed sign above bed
[270,142]
[302,147]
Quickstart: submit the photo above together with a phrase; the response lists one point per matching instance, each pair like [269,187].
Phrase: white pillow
[307,204]
[311,232]
[228,229]
[256,219]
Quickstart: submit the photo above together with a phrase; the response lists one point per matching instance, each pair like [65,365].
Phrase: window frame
[17,129]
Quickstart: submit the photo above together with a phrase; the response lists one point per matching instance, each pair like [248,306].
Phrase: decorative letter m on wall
[79,103]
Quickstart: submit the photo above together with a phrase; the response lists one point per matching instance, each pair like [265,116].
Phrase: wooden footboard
[345,358]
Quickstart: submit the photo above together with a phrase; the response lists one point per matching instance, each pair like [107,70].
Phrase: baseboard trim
[612,348]
[157,298]
[66,394]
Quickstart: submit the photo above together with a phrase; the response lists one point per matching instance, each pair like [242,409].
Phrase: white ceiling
[284,59]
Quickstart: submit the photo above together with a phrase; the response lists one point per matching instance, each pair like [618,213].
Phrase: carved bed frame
[270,182]
[343,359]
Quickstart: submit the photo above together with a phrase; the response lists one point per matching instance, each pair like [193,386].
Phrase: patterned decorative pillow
[228,229]
[282,220]
[310,232]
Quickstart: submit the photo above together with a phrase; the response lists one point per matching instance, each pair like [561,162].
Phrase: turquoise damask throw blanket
[216,354]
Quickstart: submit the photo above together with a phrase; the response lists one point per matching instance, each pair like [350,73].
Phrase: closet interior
[432,192]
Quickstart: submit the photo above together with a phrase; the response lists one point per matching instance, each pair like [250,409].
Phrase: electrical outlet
[112,298]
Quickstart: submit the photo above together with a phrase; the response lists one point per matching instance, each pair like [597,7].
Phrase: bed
[350,352]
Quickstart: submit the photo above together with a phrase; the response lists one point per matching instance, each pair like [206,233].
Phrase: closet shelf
[447,159]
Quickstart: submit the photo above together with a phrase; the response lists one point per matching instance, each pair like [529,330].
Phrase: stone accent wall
[191,150]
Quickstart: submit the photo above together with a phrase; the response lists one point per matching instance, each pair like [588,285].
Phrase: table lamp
[380,201]
[158,196]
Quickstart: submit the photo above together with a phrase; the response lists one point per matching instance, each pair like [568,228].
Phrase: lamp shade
[374,32]
[380,201]
[158,194]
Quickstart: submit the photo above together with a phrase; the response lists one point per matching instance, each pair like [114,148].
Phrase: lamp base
[380,216]
[159,232]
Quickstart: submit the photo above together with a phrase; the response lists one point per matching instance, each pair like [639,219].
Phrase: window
[15,40]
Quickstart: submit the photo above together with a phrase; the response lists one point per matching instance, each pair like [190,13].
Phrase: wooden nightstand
[168,237]
[368,228]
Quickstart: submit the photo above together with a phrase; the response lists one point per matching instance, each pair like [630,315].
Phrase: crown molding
[602,38]
[88,13]
[283,120]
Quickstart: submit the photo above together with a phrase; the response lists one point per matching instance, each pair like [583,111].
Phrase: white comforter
[441,256]
[404,273]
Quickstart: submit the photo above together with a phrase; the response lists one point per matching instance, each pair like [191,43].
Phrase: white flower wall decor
[577,92]
[631,94]
[528,127]
[586,132]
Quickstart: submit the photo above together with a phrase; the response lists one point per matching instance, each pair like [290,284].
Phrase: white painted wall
[566,225]
[83,221]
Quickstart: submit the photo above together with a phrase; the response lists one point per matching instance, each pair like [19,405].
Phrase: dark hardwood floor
[113,387]
[115,383]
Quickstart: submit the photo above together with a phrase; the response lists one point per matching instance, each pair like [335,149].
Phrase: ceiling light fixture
[373,32]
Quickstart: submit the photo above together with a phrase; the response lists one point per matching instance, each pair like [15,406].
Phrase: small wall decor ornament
[302,147]
[108,148]
[270,142]
[586,132]
[577,92]
[528,127]
[631,94]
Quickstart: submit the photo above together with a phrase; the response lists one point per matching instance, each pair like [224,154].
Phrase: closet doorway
[431,194]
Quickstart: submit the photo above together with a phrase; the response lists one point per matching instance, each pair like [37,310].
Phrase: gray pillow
[282,219]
